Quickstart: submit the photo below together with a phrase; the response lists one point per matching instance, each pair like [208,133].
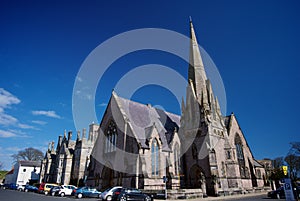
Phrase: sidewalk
[229,197]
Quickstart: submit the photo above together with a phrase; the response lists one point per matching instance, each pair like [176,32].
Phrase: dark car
[87,192]
[54,190]
[30,188]
[116,194]
[132,194]
[278,193]
[11,186]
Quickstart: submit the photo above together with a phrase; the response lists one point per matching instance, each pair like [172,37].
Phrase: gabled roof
[11,171]
[143,117]
[257,164]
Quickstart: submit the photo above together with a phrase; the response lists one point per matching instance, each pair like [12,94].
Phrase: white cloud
[13,133]
[39,122]
[7,134]
[46,113]
[14,149]
[7,99]
[103,104]
[25,126]
[6,119]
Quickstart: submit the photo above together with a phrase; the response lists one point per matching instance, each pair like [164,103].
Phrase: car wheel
[79,195]
[147,198]
[46,192]
[26,190]
[20,189]
[123,198]
[62,194]
[53,193]
[99,196]
[108,198]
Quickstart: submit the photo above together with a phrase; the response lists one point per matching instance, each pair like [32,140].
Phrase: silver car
[107,194]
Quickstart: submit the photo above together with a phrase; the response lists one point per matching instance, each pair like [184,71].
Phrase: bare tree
[295,148]
[293,162]
[278,162]
[28,154]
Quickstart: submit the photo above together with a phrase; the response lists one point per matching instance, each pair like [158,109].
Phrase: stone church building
[67,163]
[138,145]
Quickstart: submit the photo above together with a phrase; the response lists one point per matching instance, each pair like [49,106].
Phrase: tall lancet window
[240,155]
[155,158]
[176,159]
[111,137]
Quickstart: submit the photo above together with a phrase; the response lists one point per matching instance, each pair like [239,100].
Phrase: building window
[259,174]
[240,156]
[24,170]
[176,159]
[228,154]
[155,158]
[111,137]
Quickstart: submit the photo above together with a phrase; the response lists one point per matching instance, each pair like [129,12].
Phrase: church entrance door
[107,177]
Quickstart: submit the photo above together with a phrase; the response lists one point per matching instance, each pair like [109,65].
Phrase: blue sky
[254,44]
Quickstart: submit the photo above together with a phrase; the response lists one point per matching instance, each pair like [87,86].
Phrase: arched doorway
[196,177]
[107,177]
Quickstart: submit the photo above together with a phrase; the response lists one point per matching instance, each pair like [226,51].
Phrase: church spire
[196,71]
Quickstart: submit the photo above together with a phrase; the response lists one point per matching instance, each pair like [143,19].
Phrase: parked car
[116,194]
[108,193]
[30,188]
[87,192]
[21,187]
[278,193]
[133,194]
[54,190]
[65,190]
[11,186]
[46,187]
[5,186]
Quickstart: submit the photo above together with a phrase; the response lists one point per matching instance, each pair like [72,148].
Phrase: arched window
[155,158]
[240,156]
[176,159]
[111,137]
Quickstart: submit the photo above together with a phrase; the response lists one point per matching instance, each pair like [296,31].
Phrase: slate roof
[257,164]
[143,119]
[30,163]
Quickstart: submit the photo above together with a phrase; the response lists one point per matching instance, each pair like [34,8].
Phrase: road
[11,195]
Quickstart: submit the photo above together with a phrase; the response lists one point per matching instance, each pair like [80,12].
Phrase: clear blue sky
[255,45]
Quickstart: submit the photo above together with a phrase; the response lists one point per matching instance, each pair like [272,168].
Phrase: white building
[24,172]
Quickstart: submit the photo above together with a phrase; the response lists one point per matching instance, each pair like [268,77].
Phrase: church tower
[203,127]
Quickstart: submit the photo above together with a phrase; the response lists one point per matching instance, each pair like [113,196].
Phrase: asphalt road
[11,195]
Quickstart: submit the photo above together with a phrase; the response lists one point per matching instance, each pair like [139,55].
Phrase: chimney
[52,146]
[49,146]
[83,133]
[69,135]
[78,135]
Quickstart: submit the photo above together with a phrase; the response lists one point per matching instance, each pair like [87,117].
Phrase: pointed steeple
[196,73]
